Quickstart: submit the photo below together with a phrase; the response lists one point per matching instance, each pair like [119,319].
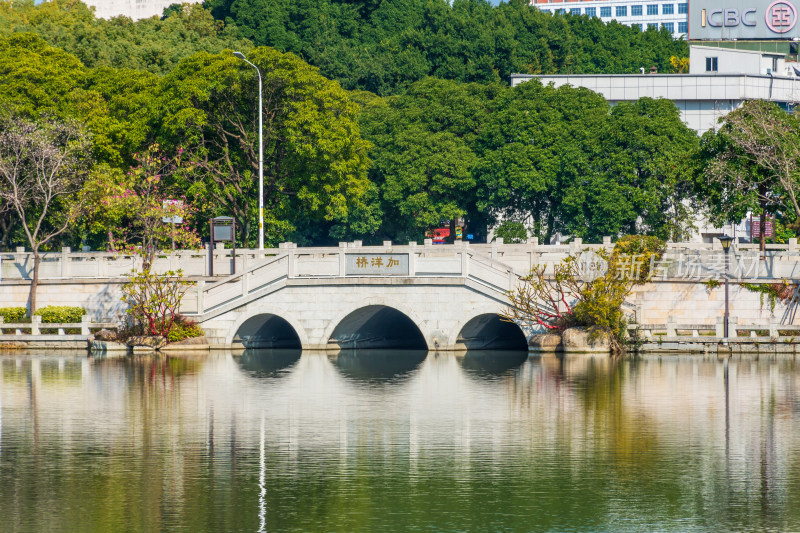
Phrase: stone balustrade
[12,330]
[779,261]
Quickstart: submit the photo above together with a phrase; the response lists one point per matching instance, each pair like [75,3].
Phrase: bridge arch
[484,330]
[275,319]
[379,323]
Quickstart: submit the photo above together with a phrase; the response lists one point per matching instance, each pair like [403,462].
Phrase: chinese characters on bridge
[376,265]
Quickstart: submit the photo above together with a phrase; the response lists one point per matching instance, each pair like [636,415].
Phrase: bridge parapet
[440,260]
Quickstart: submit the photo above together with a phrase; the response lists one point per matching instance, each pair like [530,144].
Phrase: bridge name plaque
[376,265]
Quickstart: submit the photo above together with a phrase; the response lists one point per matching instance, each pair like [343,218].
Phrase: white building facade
[672,16]
[135,9]
[719,81]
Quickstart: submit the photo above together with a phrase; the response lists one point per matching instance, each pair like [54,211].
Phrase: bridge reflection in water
[269,363]
[377,365]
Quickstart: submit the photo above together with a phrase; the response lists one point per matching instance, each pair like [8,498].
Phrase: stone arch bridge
[404,297]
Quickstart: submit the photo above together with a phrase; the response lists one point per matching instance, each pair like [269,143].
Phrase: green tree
[114,104]
[423,155]
[647,149]
[153,44]
[752,163]
[386,46]
[315,160]
[511,232]
[536,157]
[37,79]
[561,161]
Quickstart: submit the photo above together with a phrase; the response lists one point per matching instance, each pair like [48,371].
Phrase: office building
[672,16]
[135,9]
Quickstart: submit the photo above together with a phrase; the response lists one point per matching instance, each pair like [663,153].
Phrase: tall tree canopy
[559,160]
[153,44]
[385,46]
[315,161]
[423,154]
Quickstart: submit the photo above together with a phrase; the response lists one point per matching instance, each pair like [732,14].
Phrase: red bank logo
[781,16]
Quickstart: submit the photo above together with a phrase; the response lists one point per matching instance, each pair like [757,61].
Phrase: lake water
[398,441]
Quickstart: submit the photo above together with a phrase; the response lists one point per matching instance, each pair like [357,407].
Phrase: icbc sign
[743,19]
[781,16]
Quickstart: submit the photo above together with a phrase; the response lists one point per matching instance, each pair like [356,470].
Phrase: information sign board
[755,228]
[743,19]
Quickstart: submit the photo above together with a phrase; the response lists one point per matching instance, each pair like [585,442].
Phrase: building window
[668,9]
[683,27]
[605,11]
[636,11]
[622,11]
[711,64]
[575,11]
[652,25]
[683,9]
[669,26]
[637,26]
[652,9]
[591,11]
[561,11]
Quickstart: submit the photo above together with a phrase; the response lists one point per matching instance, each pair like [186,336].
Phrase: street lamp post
[260,156]
[725,241]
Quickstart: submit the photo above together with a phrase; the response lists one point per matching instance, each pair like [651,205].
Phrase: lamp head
[239,55]
[725,241]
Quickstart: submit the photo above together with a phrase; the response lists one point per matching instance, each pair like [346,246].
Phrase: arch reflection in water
[492,363]
[378,327]
[489,332]
[269,363]
[267,331]
[378,365]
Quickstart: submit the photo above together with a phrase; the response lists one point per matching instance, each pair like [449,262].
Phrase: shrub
[13,314]
[184,328]
[600,306]
[58,314]
[53,314]
[644,248]
[154,300]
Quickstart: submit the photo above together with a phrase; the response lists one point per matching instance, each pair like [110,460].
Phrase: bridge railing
[237,286]
[779,261]
[13,330]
